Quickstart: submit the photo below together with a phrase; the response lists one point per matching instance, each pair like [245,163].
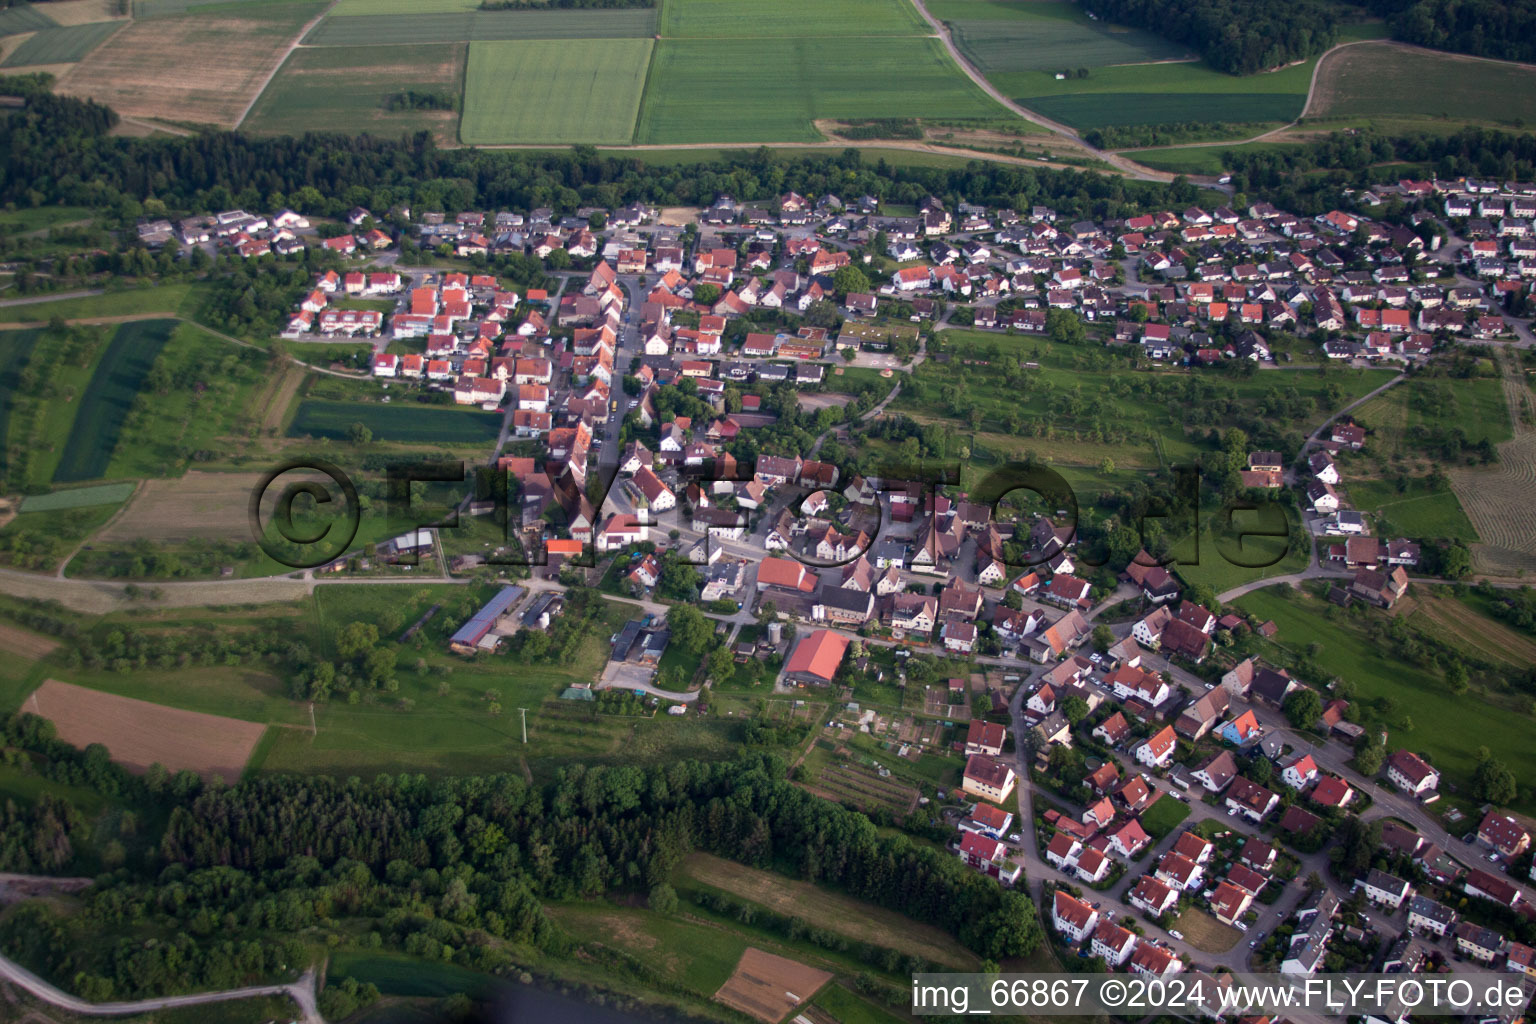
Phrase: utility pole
[525,725]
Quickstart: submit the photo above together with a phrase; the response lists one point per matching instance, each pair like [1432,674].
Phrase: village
[1146,795]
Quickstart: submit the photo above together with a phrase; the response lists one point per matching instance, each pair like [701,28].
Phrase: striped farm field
[108,398]
[345,88]
[63,45]
[1390,80]
[771,90]
[349,8]
[1047,35]
[532,92]
[78,497]
[834,19]
[203,67]
[418,425]
[23,18]
[465,26]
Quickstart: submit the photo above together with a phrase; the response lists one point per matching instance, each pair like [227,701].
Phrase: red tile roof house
[1113,943]
[988,856]
[816,658]
[984,738]
[1073,919]
[1128,840]
[1250,799]
[1229,902]
[985,777]
[1153,896]
[1158,749]
[1504,834]
[1411,773]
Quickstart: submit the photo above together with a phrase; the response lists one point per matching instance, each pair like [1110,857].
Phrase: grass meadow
[108,399]
[63,45]
[168,299]
[421,424]
[15,352]
[1448,727]
[532,92]
[1391,81]
[344,88]
[465,25]
[78,497]
[1416,510]
[771,89]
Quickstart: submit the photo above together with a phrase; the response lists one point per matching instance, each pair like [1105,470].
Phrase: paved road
[302,992]
[53,297]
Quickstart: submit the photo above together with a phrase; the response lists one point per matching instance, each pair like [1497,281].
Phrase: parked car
[1175,933]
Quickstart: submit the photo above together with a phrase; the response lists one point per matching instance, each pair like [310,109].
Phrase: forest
[1502,29]
[57,150]
[452,868]
[1240,37]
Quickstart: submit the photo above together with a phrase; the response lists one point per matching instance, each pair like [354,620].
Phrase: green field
[359,7]
[526,91]
[15,350]
[770,90]
[163,299]
[78,497]
[108,399]
[848,1008]
[412,424]
[1396,82]
[23,18]
[344,88]
[1047,35]
[1200,159]
[1448,727]
[63,45]
[465,25]
[832,19]
[1417,510]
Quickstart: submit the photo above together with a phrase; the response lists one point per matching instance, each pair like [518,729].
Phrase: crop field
[213,506]
[831,18]
[15,350]
[1047,35]
[166,299]
[80,12]
[138,733]
[771,90]
[1417,510]
[1498,503]
[1463,626]
[344,88]
[1449,727]
[25,643]
[697,956]
[768,987]
[825,908]
[78,497]
[360,7]
[104,408]
[466,25]
[24,18]
[201,68]
[1201,159]
[63,45]
[527,91]
[1395,81]
[420,425]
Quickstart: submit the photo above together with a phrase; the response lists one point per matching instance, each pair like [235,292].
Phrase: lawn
[1049,35]
[834,20]
[1448,727]
[531,92]
[108,399]
[63,45]
[414,424]
[462,26]
[1418,509]
[1164,816]
[772,89]
[161,299]
[345,88]
[1395,82]
[15,350]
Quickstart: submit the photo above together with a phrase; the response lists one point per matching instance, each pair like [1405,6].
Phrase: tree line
[1240,37]
[1503,29]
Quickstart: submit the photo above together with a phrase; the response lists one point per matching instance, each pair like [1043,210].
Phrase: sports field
[109,397]
[345,88]
[463,26]
[770,90]
[203,68]
[419,424]
[1394,81]
[1045,35]
[733,19]
[63,45]
[535,92]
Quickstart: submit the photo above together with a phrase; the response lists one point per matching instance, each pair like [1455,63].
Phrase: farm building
[476,634]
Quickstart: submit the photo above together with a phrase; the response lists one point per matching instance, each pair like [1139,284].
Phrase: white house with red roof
[1113,943]
[1157,750]
[1300,772]
[1411,773]
[1073,919]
